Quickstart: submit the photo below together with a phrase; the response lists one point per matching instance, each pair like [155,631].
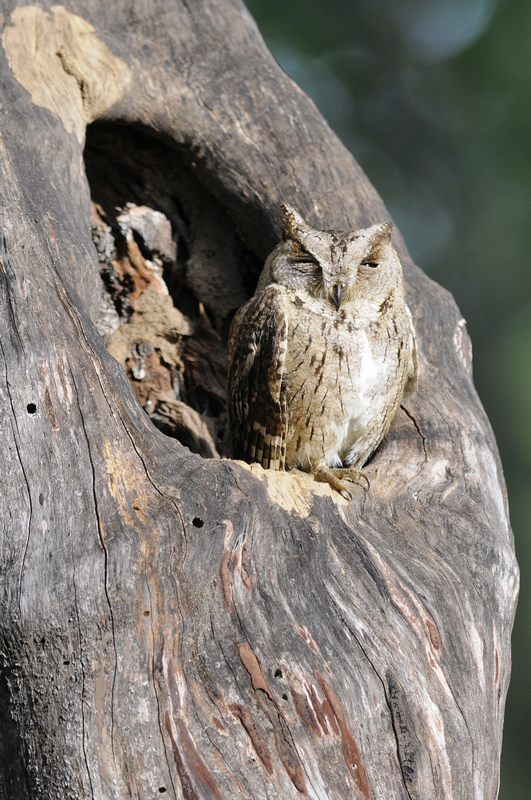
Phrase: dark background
[432,98]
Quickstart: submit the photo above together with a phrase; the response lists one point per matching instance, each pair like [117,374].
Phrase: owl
[320,358]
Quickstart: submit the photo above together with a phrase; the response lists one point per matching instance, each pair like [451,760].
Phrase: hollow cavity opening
[174,271]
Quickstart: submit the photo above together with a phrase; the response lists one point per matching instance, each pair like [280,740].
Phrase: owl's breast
[339,380]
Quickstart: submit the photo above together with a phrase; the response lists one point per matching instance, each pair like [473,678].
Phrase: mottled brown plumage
[322,354]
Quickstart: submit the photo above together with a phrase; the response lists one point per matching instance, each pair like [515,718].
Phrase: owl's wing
[257,394]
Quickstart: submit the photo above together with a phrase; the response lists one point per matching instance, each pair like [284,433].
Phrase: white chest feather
[361,398]
[363,313]
[370,369]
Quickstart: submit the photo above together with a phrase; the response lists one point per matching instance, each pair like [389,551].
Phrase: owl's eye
[372,264]
[299,255]
[303,257]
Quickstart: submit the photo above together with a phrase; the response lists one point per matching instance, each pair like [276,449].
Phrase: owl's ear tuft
[381,234]
[291,222]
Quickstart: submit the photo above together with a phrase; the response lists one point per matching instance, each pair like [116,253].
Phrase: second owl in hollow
[322,354]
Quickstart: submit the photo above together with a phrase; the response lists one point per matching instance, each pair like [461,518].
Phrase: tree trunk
[195,627]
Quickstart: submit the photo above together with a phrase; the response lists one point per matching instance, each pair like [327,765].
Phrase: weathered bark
[194,627]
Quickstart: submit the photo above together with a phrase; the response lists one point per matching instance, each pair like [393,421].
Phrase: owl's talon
[333,476]
[353,475]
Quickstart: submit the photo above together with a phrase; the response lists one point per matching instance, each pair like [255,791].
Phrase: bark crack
[30,519]
[189,12]
[14,429]
[225,659]
[83,729]
[4,269]
[103,546]
[422,437]
[397,738]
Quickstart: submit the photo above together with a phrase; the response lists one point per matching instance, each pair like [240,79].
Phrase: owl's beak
[337,295]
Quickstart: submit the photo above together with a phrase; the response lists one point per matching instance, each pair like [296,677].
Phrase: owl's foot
[333,477]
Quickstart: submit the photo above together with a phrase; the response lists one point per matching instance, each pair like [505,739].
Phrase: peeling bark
[197,627]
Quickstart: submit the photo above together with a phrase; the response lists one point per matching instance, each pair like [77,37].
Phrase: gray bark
[194,627]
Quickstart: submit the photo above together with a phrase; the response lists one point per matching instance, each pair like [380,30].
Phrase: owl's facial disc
[337,268]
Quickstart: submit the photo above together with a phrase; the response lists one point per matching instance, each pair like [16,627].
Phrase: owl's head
[335,267]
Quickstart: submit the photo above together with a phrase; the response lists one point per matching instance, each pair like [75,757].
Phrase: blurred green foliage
[432,97]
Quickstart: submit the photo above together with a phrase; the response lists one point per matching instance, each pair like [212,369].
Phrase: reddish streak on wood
[43,375]
[435,639]
[250,728]
[324,712]
[252,666]
[232,563]
[303,709]
[306,637]
[286,752]
[219,725]
[51,231]
[351,753]
[242,563]
[194,762]
[188,790]
[224,566]
[496,667]
[49,410]
[297,777]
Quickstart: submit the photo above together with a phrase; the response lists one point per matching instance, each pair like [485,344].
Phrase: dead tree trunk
[194,627]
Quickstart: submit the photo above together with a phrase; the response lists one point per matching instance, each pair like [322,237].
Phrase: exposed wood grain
[195,628]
